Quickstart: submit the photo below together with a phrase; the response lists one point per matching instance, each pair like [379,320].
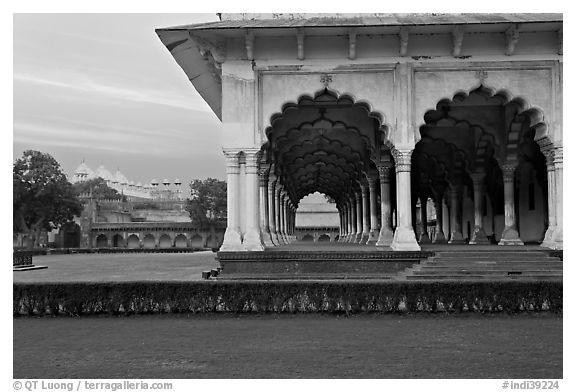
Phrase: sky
[102,88]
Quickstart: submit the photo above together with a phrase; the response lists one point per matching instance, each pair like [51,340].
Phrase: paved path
[95,267]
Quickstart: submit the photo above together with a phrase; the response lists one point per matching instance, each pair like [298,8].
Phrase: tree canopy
[207,203]
[43,199]
[98,188]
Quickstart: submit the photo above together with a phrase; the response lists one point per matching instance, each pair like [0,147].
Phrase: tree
[98,188]
[207,203]
[43,199]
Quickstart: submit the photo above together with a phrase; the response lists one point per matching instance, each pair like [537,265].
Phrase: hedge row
[113,298]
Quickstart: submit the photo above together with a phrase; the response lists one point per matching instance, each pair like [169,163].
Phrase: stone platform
[318,261]
[303,260]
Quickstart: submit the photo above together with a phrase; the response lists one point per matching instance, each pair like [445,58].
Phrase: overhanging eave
[201,72]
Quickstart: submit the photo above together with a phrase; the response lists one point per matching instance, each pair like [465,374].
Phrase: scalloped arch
[536,113]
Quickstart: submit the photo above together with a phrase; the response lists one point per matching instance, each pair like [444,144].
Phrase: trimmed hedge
[114,298]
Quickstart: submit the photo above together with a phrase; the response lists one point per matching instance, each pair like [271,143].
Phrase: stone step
[497,257]
[486,272]
[483,277]
[492,254]
[28,267]
[492,265]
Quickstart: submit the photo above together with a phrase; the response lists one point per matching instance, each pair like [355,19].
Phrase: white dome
[103,173]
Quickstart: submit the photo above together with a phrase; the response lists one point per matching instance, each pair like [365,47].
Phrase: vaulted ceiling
[323,144]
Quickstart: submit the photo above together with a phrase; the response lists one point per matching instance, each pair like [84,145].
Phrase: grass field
[290,346]
[119,267]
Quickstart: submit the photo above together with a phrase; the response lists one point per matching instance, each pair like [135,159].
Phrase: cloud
[95,137]
[83,83]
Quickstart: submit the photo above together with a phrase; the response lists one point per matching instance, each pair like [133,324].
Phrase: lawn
[290,346]
[119,267]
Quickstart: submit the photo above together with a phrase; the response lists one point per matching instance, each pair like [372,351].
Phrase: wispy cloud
[84,84]
[94,138]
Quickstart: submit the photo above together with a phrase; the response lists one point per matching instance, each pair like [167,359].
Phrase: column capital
[263,171]
[508,170]
[232,161]
[384,170]
[478,178]
[402,159]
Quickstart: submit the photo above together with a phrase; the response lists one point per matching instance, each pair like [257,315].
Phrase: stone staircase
[487,265]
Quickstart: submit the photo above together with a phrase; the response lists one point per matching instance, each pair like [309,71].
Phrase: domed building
[132,190]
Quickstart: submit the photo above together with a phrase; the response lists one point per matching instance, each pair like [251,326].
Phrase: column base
[372,237]
[252,241]
[232,241]
[385,237]
[358,238]
[364,239]
[510,236]
[479,237]
[439,238]
[548,242]
[424,239]
[267,239]
[558,238]
[456,238]
[404,239]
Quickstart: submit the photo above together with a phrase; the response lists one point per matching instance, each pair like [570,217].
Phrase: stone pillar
[359,221]
[272,208]
[278,217]
[456,236]
[252,239]
[284,217]
[510,234]
[281,217]
[554,198]
[354,219]
[424,237]
[232,240]
[344,221]
[439,237]
[264,205]
[366,213]
[404,238]
[479,236]
[349,220]
[386,235]
[445,218]
[373,235]
[558,180]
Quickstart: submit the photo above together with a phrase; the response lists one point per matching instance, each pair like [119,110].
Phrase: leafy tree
[207,203]
[98,188]
[43,199]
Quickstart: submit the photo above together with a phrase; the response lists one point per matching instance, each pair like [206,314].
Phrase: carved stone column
[373,234]
[272,208]
[281,212]
[386,235]
[424,237]
[365,212]
[439,237]
[479,236]
[278,200]
[354,222]
[510,234]
[232,239]
[558,181]
[252,239]
[404,238]
[264,205]
[456,236]
[359,224]
[351,221]
[344,222]
[446,218]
